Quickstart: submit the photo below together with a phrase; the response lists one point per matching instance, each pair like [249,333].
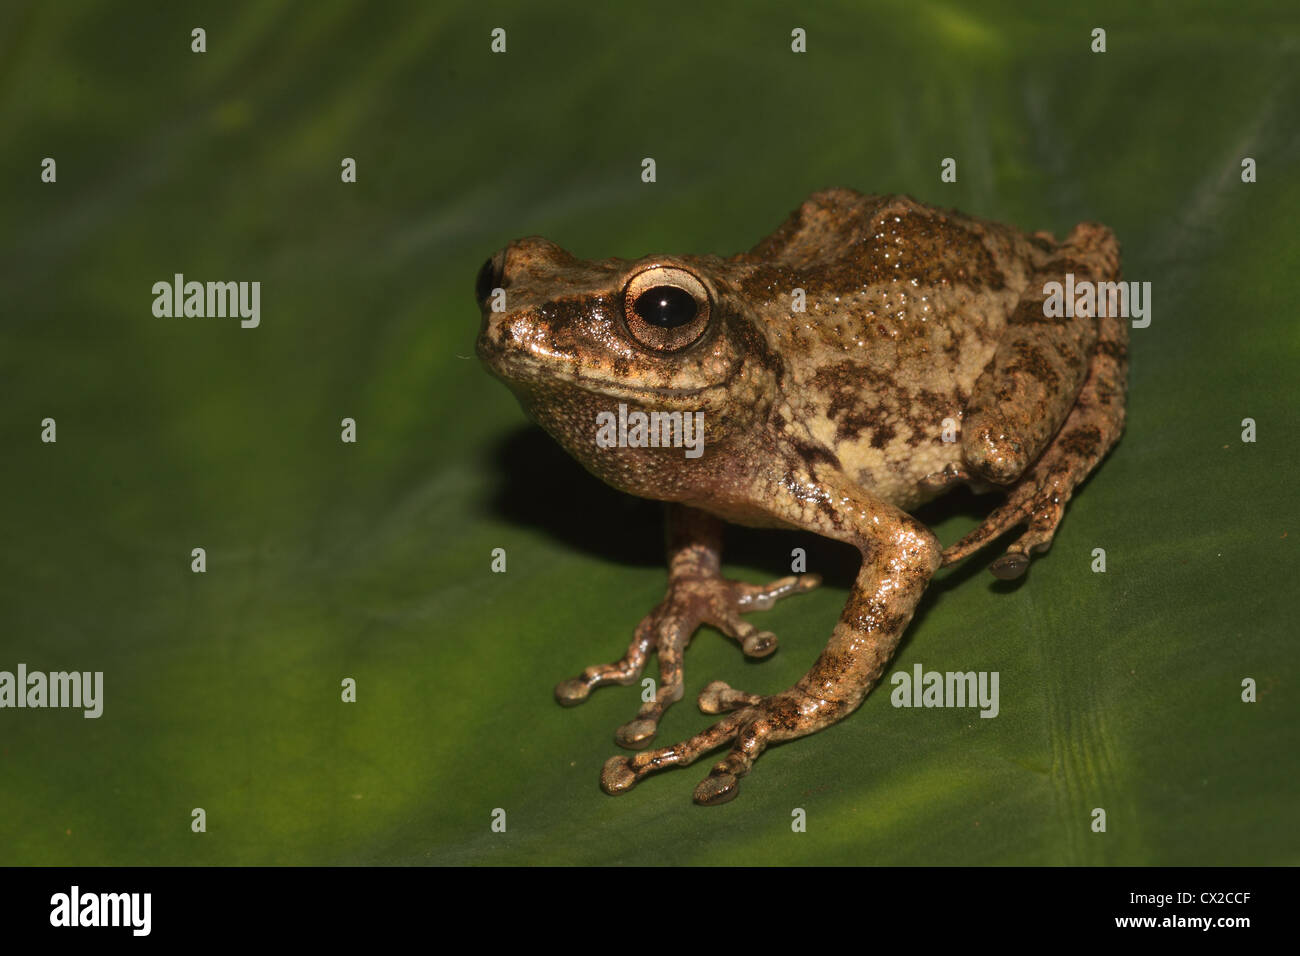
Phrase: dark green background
[1119,690]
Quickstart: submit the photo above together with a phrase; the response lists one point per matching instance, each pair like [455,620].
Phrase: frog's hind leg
[1030,386]
[1091,430]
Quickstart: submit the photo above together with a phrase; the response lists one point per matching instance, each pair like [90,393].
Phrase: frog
[871,354]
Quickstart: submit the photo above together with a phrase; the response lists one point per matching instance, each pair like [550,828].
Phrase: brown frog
[870,354]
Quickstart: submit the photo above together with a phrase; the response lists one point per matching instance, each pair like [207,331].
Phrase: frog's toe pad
[571,692]
[635,734]
[719,697]
[759,644]
[1010,566]
[617,776]
[717,788]
[712,698]
[1036,540]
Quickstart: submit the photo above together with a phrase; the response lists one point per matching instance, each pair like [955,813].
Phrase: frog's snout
[529,256]
[490,275]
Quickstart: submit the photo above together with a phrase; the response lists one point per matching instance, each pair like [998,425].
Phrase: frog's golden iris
[667,309]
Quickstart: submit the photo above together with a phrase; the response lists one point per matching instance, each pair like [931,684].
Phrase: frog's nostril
[489,278]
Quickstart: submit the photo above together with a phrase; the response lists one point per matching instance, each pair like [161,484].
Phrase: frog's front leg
[899,556]
[697,594]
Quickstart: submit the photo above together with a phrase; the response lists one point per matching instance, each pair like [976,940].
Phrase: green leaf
[371,560]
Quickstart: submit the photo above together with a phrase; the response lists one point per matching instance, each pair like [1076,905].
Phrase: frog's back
[905,305]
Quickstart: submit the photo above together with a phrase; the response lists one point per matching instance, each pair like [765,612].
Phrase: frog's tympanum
[869,355]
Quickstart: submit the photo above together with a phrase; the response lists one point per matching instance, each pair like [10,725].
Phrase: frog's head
[574,340]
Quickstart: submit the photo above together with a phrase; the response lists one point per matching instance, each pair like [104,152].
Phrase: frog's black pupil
[666,306]
[485,282]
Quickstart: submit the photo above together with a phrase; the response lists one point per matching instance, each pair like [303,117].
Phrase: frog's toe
[760,723]
[717,788]
[636,734]
[572,692]
[720,697]
[623,671]
[620,774]
[753,642]
[1010,566]
[1044,519]
[617,776]
[761,597]
[754,723]
[740,598]
[1040,503]
[759,644]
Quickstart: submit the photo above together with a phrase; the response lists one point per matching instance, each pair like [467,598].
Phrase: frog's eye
[667,308]
[489,278]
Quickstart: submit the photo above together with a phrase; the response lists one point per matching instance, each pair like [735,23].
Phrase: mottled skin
[922,360]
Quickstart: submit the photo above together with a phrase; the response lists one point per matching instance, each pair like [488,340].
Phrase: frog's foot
[896,566]
[1040,502]
[692,600]
[754,722]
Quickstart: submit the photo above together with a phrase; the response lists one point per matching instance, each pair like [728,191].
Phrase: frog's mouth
[532,378]
[524,370]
